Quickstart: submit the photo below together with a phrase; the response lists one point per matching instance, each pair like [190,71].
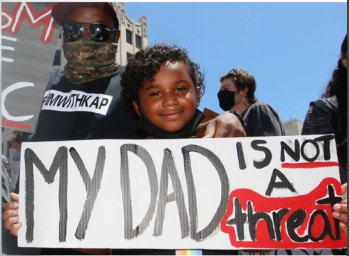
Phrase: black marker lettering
[92,187]
[208,230]
[310,159]
[277,217]
[326,139]
[284,183]
[241,156]
[327,226]
[129,232]
[332,199]
[295,154]
[60,161]
[239,220]
[267,152]
[253,219]
[295,220]
[168,167]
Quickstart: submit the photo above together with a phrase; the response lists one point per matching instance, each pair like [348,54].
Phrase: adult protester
[237,94]
[15,157]
[329,116]
[89,87]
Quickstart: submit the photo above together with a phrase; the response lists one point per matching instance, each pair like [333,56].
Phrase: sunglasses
[98,32]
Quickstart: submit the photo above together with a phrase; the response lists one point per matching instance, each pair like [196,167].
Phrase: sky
[290,48]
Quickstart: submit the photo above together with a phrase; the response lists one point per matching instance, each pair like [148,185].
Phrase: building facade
[293,127]
[133,36]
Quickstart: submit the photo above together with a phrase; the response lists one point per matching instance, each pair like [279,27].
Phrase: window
[128,36]
[57,58]
[129,55]
[138,42]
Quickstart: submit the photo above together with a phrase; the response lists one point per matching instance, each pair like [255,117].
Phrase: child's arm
[224,125]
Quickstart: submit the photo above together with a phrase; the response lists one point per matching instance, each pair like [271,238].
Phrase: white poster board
[232,193]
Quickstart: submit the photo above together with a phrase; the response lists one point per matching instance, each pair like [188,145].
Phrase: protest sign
[232,193]
[29,38]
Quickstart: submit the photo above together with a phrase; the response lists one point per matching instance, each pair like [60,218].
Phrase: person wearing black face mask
[237,94]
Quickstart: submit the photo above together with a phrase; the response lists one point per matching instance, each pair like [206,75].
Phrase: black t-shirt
[93,110]
[262,120]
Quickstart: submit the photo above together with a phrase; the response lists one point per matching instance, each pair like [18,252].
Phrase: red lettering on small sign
[303,221]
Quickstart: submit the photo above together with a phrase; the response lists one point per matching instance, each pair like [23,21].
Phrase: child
[164,87]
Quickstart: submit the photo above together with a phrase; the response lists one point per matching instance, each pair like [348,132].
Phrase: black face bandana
[147,128]
[226,99]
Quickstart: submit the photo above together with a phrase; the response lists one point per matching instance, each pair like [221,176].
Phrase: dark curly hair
[146,63]
[243,79]
[338,86]
[338,82]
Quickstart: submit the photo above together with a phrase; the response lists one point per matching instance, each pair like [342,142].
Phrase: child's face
[170,100]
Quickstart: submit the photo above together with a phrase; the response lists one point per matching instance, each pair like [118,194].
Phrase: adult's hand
[340,211]
[224,125]
[10,215]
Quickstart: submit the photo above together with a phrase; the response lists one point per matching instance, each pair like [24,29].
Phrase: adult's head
[338,83]
[16,139]
[86,13]
[90,36]
[238,86]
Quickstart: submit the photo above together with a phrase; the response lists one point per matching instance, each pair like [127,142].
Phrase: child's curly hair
[146,63]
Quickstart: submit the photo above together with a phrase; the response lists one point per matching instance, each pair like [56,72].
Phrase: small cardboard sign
[29,38]
[231,193]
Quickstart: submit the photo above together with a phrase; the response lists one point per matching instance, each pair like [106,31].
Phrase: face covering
[147,128]
[226,99]
[88,60]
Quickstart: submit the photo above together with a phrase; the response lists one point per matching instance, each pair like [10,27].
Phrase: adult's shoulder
[261,108]
[261,119]
[331,103]
[318,117]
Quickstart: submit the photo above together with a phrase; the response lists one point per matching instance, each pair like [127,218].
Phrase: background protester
[329,114]
[237,94]
[15,157]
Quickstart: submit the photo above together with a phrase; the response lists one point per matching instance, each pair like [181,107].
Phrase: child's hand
[340,211]
[10,215]
[223,126]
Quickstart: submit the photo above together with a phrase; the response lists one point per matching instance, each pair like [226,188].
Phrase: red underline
[13,124]
[309,165]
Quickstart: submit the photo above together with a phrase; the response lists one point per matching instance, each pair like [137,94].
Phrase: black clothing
[146,128]
[260,119]
[73,112]
[323,118]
